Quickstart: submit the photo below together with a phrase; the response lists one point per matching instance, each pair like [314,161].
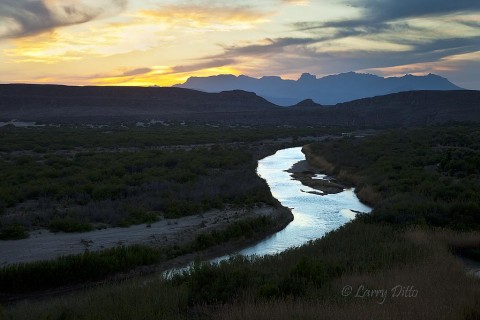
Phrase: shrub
[13,232]
[26,277]
[69,225]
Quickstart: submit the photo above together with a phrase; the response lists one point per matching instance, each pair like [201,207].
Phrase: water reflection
[314,215]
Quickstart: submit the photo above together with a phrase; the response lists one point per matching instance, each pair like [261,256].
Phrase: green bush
[13,232]
[416,176]
[68,224]
[27,277]
[138,216]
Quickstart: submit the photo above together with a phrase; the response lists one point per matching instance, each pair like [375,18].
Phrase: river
[314,215]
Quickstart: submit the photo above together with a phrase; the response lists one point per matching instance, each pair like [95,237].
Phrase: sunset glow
[146,42]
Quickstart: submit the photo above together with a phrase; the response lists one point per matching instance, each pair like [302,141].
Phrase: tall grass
[91,266]
[358,254]
[304,271]
[26,277]
[123,301]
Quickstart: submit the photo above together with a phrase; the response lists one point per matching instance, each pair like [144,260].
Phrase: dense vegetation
[90,266]
[125,188]
[304,283]
[427,176]
[417,180]
[299,272]
[77,179]
[44,139]
[27,277]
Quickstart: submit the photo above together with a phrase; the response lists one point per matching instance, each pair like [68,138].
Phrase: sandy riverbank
[312,177]
[44,245]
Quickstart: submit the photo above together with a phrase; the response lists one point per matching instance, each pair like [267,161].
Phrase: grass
[136,300]
[97,265]
[358,254]
[305,271]
[89,266]
[423,184]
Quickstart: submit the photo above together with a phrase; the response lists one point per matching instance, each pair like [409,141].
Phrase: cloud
[136,72]
[388,10]
[377,16]
[266,47]
[342,46]
[214,16]
[202,65]
[392,33]
[297,2]
[460,69]
[20,18]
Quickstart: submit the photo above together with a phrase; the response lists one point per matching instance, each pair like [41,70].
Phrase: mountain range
[101,105]
[51,102]
[328,90]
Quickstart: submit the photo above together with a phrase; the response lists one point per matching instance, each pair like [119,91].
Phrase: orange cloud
[208,17]
[157,75]
[44,48]
[60,45]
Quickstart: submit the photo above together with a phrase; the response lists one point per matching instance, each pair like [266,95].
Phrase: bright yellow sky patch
[86,42]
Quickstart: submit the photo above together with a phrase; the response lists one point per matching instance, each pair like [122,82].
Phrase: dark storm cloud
[343,61]
[380,19]
[20,18]
[345,28]
[388,10]
[384,15]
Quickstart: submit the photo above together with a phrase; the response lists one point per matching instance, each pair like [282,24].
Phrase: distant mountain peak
[327,90]
[307,77]
[271,77]
[307,103]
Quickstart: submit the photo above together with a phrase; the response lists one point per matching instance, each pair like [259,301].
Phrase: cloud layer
[98,41]
[26,17]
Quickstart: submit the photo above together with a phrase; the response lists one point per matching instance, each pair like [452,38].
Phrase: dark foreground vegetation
[415,179]
[119,177]
[78,179]
[425,176]
[32,277]
[119,189]
[304,283]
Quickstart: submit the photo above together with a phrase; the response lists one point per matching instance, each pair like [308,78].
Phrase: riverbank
[408,183]
[413,266]
[342,177]
[278,217]
[314,178]
[45,245]
[358,256]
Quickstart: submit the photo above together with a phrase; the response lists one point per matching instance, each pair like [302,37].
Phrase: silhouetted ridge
[328,90]
[307,103]
[58,102]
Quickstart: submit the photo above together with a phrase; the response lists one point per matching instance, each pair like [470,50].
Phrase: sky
[156,42]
